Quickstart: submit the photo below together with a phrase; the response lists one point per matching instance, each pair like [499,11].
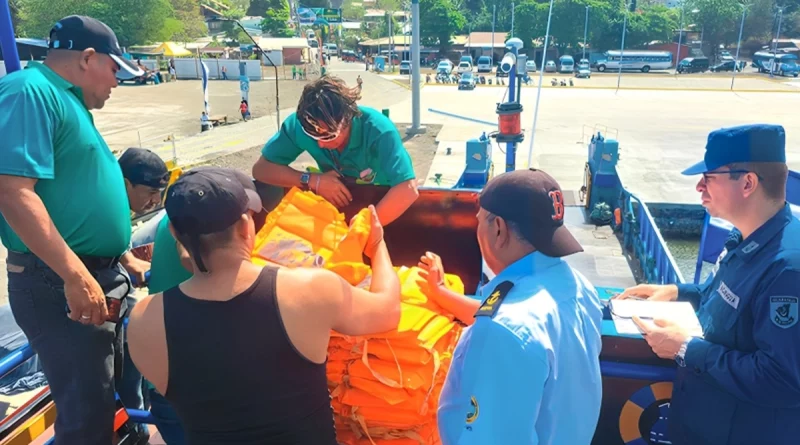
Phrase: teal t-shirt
[166,270]
[49,134]
[374,153]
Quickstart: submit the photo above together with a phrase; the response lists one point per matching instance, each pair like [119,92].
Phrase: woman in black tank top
[236,378]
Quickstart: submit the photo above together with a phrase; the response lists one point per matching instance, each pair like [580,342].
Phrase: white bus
[635,60]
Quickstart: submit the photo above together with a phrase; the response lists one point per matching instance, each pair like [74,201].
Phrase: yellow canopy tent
[172,49]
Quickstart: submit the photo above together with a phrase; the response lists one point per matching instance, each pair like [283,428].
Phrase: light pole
[680,39]
[622,48]
[494,16]
[512,20]
[585,30]
[738,45]
[775,46]
[415,124]
[539,88]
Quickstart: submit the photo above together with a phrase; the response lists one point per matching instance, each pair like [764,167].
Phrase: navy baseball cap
[143,167]
[746,143]
[209,200]
[532,200]
[77,33]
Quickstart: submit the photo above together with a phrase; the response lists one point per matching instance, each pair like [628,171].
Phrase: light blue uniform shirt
[531,374]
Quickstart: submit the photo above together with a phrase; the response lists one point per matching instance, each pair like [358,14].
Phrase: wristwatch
[680,357]
[304,178]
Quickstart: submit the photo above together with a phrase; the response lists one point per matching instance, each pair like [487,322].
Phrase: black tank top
[234,376]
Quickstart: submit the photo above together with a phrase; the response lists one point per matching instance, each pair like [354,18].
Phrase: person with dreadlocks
[346,140]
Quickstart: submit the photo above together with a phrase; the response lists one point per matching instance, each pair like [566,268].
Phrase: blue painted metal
[478,164]
[642,237]
[603,157]
[637,372]
[7,42]
[458,116]
[16,358]
[141,416]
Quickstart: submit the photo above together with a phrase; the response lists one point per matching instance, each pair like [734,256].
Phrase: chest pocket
[720,312]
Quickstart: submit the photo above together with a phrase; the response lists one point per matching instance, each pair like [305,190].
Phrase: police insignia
[492,304]
[783,311]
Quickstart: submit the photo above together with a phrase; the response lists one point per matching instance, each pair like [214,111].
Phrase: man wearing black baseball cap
[740,382]
[529,364]
[62,251]
[267,329]
[146,176]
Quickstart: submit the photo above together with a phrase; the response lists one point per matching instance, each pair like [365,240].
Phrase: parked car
[405,67]
[444,67]
[727,65]
[464,67]
[583,72]
[550,67]
[530,66]
[484,64]
[693,65]
[467,81]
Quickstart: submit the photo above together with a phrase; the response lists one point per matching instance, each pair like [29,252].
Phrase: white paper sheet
[679,312]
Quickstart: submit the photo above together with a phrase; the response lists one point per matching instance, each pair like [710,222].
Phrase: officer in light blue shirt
[740,383]
[527,371]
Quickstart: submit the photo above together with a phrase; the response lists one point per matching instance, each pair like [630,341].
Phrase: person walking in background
[224,72]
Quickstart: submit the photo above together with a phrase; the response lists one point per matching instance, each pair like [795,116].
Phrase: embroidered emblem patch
[783,311]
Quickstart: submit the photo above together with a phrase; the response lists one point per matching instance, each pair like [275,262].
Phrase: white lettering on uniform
[750,247]
[727,295]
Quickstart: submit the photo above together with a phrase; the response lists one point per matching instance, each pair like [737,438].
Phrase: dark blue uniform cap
[746,143]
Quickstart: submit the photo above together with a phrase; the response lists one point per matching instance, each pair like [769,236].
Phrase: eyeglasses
[321,134]
[727,172]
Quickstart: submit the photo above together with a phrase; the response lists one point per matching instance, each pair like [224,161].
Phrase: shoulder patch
[495,299]
[783,311]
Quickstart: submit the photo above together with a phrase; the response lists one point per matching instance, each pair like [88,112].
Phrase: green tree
[353,10]
[258,8]
[232,30]
[244,5]
[439,20]
[718,21]
[188,22]
[276,21]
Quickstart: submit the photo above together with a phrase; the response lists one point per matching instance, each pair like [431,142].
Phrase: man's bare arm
[397,200]
[462,307]
[28,217]
[276,174]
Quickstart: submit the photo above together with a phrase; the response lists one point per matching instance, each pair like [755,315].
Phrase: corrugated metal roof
[278,43]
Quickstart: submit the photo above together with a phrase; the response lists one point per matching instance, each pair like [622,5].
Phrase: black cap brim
[127,66]
[561,244]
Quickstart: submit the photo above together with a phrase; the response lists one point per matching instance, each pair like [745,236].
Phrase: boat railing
[642,238]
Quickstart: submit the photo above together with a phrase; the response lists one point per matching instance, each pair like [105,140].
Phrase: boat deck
[602,261]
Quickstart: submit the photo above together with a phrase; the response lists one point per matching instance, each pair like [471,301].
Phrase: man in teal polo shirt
[65,223]
[346,140]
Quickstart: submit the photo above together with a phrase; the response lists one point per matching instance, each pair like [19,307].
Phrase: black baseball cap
[143,167]
[78,32]
[209,200]
[532,200]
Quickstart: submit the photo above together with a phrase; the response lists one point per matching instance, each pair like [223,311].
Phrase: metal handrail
[649,244]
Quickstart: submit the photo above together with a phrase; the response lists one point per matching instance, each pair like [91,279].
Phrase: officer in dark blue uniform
[740,383]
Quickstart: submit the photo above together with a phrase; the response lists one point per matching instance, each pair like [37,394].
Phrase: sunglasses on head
[319,133]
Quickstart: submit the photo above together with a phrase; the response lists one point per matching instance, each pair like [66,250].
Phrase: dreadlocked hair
[328,101]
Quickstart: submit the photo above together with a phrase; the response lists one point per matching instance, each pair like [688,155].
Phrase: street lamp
[738,45]
[277,88]
[775,46]
[622,48]
[585,30]
[539,89]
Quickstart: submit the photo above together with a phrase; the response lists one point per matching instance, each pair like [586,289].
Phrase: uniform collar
[56,79]
[749,247]
[530,264]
